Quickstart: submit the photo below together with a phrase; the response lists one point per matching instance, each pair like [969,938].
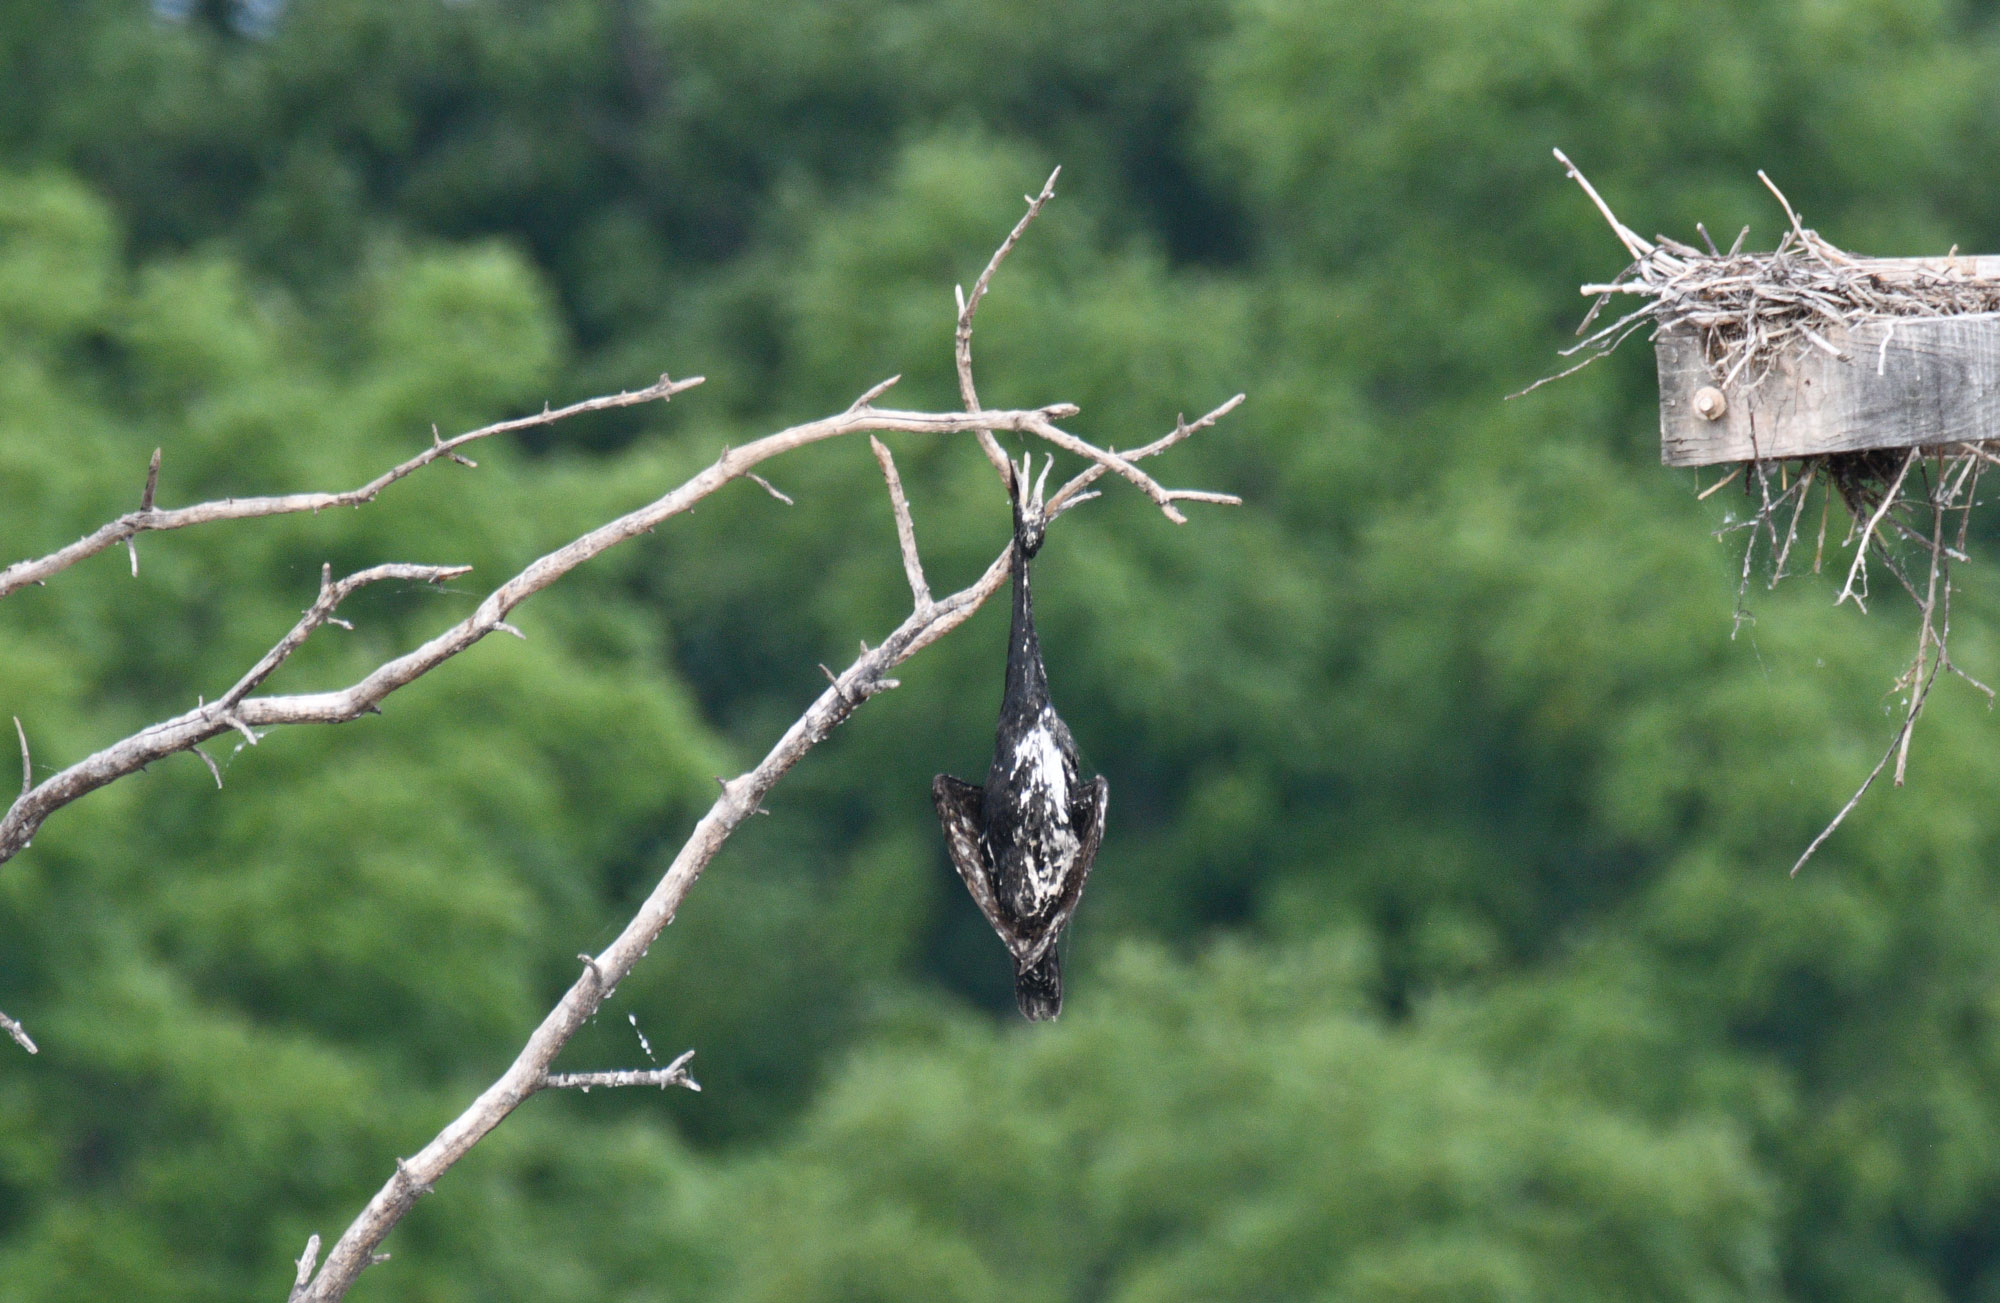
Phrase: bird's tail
[1038,987]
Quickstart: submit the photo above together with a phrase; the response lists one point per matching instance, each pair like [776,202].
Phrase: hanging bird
[1024,843]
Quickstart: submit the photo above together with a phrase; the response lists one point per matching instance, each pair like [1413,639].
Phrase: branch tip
[874,393]
[37,570]
[768,487]
[906,530]
[674,1074]
[1634,243]
[27,1042]
[306,1262]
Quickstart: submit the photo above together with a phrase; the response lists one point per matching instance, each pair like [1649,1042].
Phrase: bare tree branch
[145,504]
[674,1074]
[1073,492]
[739,798]
[246,714]
[969,304]
[331,595]
[906,530]
[148,518]
[323,1281]
[305,1265]
[19,1033]
[1164,498]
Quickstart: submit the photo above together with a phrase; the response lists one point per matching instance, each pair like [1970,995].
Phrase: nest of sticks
[1907,510]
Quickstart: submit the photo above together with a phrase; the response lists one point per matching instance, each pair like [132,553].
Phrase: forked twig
[968,304]
[739,798]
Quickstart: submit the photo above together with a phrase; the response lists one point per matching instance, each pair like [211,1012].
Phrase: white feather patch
[1038,753]
[1038,765]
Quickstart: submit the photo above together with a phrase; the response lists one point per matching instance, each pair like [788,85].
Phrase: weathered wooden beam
[1897,383]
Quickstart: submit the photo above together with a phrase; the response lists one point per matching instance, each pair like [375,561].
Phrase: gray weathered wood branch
[674,1074]
[18,1033]
[968,306]
[245,714]
[740,798]
[149,518]
[323,1281]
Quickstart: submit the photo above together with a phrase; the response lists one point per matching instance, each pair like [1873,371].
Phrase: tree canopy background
[1441,946]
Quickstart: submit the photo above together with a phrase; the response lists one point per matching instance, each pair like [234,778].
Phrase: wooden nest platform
[1814,372]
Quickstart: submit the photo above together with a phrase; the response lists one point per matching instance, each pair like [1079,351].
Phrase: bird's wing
[1086,812]
[958,806]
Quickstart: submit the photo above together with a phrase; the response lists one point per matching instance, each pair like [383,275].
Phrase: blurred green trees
[1441,947]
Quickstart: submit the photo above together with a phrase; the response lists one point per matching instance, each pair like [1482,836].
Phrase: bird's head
[1030,523]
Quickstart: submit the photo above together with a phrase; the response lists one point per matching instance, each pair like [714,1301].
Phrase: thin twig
[968,304]
[871,395]
[145,505]
[674,1074]
[906,530]
[1628,237]
[18,1033]
[21,821]
[1855,799]
[148,518]
[354,1252]
[1072,493]
[305,1270]
[769,488]
[1803,488]
[1927,641]
[1861,549]
[331,595]
[1720,484]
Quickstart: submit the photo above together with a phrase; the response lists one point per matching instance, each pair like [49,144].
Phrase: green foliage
[1437,769]
[1238,1130]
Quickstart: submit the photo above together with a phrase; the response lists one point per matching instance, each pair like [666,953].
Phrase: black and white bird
[1024,843]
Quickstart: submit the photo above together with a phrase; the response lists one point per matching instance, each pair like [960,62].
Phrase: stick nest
[1907,508]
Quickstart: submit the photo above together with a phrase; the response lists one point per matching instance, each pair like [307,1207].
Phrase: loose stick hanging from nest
[1909,509]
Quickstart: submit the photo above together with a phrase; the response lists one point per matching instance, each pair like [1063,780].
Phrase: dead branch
[1073,493]
[864,678]
[969,304]
[324,1280]
[1868,533]
[149,518]
[674,1074]
[19,1034]
[906,530]
[740,797]
[247,714]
